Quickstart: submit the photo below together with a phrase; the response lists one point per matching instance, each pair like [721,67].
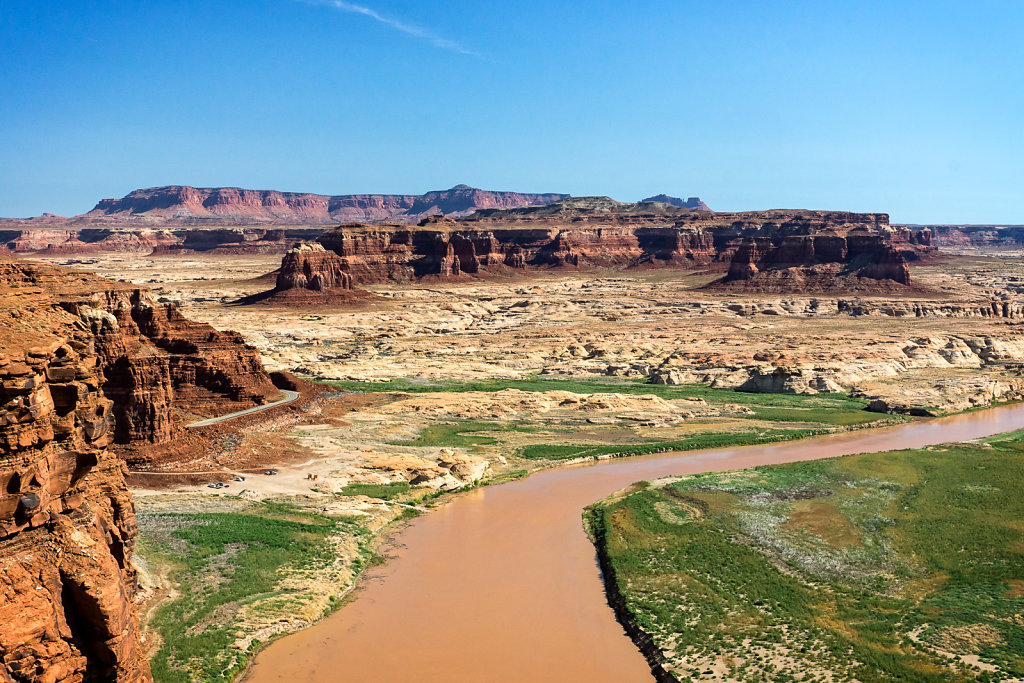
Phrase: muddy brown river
[502,585]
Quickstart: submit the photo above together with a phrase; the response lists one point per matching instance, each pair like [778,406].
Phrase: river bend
[502,585]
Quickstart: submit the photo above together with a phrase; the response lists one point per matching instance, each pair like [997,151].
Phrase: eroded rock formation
[983,237]
[689,202]
[820,262]
[310,266]
[67,522]
[159,368]
[769,249]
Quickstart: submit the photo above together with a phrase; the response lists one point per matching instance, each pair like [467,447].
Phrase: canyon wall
[778,249]
[819,262]
[160,369]
[92,372]
[67,522]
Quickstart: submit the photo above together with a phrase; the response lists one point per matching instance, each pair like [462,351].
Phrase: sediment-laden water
[502,585]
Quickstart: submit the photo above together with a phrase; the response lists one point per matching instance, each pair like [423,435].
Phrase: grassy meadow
[899,566]
[233,569]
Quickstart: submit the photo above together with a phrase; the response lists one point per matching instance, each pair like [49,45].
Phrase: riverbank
[904,565]
[482,435]
[478,572]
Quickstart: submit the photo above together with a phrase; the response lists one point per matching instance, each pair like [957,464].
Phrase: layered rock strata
[311,275]
[311,267]
[75,241]
[159,368]
[67,522]
[820,262]
[812,249]
[184,219]
[983,237]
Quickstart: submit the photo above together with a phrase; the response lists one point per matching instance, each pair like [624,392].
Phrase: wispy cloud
[408,29]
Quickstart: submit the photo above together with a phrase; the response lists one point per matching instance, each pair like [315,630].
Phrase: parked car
[268,472]
[239,478]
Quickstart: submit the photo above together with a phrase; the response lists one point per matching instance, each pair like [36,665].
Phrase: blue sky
[914,108]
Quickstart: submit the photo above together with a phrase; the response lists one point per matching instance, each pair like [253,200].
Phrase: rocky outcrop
[67,522]
[689,203]
[997,374]
[759,379]
[183,205]
[862,258]
[158,367]
[815,249]
[74,240]
[310,266]
[450,471]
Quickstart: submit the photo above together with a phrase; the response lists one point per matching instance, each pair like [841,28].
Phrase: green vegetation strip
[222,564]
[695,442]
[900,566]
[381,491]
[461,434]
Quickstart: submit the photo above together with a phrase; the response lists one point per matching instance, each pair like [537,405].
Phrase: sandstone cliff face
[810,248]
[817,262]
[311,267]
[372,254]
[841,252]
[158,365]
[142,220]
[67,522]
[979,236]
[159,368]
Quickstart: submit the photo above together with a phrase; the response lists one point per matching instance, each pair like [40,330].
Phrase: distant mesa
[230,220]
[688,203]
[186,205]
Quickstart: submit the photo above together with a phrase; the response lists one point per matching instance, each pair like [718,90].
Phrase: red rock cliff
[160,369]
[67,522]
[311,267]
[846,254]
[598,232]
